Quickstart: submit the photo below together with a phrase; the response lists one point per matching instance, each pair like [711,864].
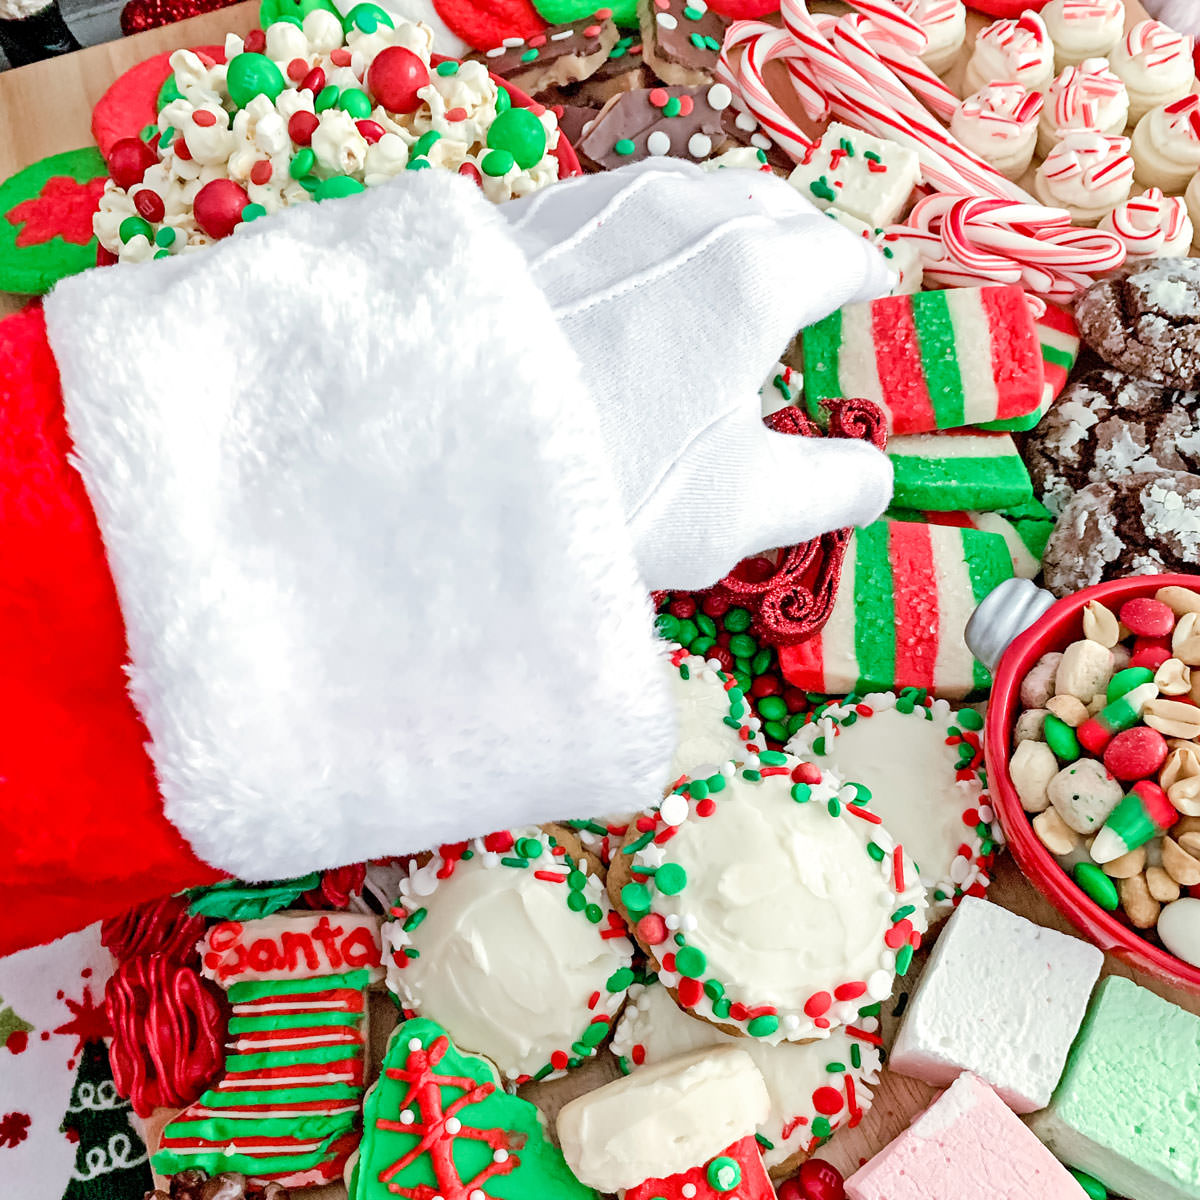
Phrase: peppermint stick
[907,66]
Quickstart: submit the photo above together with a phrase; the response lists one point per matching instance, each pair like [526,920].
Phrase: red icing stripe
[323,1035]
[898,362]
[1016,352]
[346,999]
[910,549]
[349,1071]
[273,1107]
[803,665]
[957,520]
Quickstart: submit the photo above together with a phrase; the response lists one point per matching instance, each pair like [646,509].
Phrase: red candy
[218,207]
[820,1180]
[1135,753]
[149,204]
[256,42]
[371,131]
[128,161]
[301,127]
[297,69]
[395,77]
[1146,617]
[1150,652]
[204,118]
[314,81]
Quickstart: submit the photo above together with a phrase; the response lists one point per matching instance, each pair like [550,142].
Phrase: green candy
[1062,739]
[292,11]
[425,143]
[327,97]
[773,708]
[503,100]
[1094,883]
[520,133]
[723,1174]
[249,75]
[670,879]
[563,12]
[691,962]
[252,212]
[303,163]
[737,620]
[742,645]
[636,898]
[1092,1186]
[667,626]
[367,18]
[168,92]
[131,227]
[1126,680]
[497,163]
[763,1026]
[355,102]
[688,631]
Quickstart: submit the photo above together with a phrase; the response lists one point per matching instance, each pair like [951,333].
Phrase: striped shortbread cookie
[958,469]
[1025,528]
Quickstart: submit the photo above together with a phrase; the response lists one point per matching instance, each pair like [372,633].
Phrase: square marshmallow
[1001,997]
[968,1145]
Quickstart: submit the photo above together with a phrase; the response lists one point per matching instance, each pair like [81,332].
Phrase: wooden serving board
[45,109]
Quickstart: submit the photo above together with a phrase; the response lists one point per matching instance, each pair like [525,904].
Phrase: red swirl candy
[168,1033]
[163,928]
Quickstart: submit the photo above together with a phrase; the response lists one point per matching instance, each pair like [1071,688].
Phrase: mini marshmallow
[1016,1035]
[1084,793]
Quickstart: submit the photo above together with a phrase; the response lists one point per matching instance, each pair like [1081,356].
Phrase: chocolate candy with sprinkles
[624,70]
[681,39]
[557,57]
[682,122]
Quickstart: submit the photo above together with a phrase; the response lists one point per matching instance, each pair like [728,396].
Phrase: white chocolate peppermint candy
[922,764]
[1085,96]
[1083,28]
[999,123]
[1087,173]
[778,905]
[514,948]
[1166,145]
[1152,226]
[815,1087]
[1017,49]
[945,25]
[1156,64]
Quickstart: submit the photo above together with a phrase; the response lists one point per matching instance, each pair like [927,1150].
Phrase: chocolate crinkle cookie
[1145,319]
[1107,425]
[1139,525]
[229,1185]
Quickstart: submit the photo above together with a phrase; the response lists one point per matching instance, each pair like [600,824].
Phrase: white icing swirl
[1166,145]
[945,25]
[1156,64]
[1083,28]
[1017,49]
[999,123]
[1086,173]
[1086,96]
[1152,226]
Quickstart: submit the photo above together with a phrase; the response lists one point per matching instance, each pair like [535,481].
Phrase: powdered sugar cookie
[1015,50]
[771,901]
[1156,64]
[815,1087]
[1166,145]
[1086,96]
[1000,124]
[516,949]
[922,764]
[1083,29]
[945,25]
[1087,173]
[1151,225]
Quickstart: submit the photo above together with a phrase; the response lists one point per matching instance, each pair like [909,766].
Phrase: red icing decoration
[88,1023]
[162,927]
[18,1041]
[744,10]
[394,78]
[168,1032]
[337,886]
[486,23]
[218,207]
[64,208]
[754,1185]
[14,1128]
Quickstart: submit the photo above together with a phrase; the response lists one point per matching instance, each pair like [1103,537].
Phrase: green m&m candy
[249,75]
[520,133]
[1096,884]
[1061,738]
[339,185]
[367,18]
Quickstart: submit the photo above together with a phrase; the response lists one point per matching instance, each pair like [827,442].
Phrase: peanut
[1054,833]
[1190,842]
[1038,686]
[1179,600]
[1189,823]
[1031,768]
[1179,864]
[1162,887]
[1030,726]
[1100,625]
[1185,639]
[1173,718]
[1173,678]
[1085,669]
[1096,703]
[1140,907]
[1128,865]
[1184,794]
[1182,763]
[1070,709]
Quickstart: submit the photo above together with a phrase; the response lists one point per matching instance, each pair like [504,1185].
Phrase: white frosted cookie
[1087,173]
[1083,29]
[1156,64]
[1014,50]
[945,25]
[922,763]
[510,946]
[1086,96]
[902,256]
[1166,145]
[1000,124]
[815,1087]
[1152,226]
[771,901]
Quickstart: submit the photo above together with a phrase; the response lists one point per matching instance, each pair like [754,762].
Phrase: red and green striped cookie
[771,901]
[515,948]
[286,1109]
[957,469]
[930,360]
[906,593]
[1024,527]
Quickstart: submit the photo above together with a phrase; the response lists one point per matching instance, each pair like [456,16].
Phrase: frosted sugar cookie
[1087,173]
[1086,96]
[1000,124]
[1083,29]
[771,901]
[1156,64]
[1152,226]
[516,949]
[1016,50]
[1166,145]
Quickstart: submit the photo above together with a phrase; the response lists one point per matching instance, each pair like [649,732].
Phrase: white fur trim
[377,585]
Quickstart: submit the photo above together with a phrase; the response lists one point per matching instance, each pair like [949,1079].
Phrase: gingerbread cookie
[683,122]
[515,947]
[1145,319]
[681,39]
[1140,524]
[558,57]
[770,900]
[921,764]
[1106,426]
[815,1088]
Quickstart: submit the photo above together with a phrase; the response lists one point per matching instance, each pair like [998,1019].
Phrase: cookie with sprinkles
[512,944]
[815,1087]
[556,57]
[681,39]
[921,764]
[682,122]
[771,900]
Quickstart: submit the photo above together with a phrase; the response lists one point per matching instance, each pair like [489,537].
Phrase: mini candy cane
[895,23]
[908,67]
[1078,91]
[1158,42]
[1151,225]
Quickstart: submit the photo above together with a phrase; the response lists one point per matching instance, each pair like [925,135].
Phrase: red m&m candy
[218,207]
[128,161]
[395,77]
[1150,652]
[1135,753]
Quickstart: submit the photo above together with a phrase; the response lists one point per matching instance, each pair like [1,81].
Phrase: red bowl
[1060,626]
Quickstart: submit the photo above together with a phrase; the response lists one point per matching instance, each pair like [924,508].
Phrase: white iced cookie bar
[1166,145]
[1151,226]
[1156,64]
[1087,173]
[1000,124]
[1015,50]
[1083,29]
[1086,96]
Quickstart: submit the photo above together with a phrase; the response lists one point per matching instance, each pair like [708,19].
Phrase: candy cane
[895,24]
[920,80]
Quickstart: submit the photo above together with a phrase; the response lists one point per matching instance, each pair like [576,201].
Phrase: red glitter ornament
[395,77]
[218,207]
[139,15]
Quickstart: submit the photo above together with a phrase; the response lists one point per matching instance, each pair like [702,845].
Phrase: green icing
[168,92]
[256,989]
[233,900]
[468,1089]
